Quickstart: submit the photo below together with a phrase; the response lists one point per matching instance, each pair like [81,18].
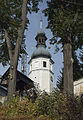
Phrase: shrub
[54,106]
[59,106]
[17,106]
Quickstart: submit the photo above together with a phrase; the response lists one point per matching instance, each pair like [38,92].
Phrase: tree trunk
[12,78]
[68,68]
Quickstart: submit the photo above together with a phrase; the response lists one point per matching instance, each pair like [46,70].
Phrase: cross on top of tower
[41,21]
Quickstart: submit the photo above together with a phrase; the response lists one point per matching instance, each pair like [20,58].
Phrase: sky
[31,33]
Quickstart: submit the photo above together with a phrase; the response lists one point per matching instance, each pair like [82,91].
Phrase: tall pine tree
[65,19]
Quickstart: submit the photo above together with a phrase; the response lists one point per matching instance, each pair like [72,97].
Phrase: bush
[17,106]
[23,118]
[55,106]
[52,105]
[59,106]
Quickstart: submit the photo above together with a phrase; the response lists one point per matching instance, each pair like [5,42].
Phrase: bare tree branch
[8,43]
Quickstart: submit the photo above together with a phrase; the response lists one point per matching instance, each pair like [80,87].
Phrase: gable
[22,81]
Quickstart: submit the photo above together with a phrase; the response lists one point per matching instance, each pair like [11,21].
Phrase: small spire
[41,23]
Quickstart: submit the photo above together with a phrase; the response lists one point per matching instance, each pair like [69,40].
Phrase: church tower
[41,64]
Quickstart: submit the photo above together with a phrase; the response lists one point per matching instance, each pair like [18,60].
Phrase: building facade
[78,87]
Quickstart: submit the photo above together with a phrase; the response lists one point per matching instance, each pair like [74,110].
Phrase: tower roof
[41,44]
[41,52]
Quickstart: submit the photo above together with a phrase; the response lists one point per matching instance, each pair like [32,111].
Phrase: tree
[13,22]
[81,59]
[77,71]
[65,19]
[59,83]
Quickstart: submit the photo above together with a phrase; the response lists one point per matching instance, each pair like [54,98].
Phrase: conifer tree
[81,61]
[65,19]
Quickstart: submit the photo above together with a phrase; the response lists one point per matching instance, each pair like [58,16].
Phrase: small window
[51,78]
[39,40]
[42,40]
[44,64]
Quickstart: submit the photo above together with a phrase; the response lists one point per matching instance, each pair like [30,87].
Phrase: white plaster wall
[3,99]
[45,80]
[78,87]
[34,75]
[41,74]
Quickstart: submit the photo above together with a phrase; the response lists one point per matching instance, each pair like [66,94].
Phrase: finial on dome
[41,23]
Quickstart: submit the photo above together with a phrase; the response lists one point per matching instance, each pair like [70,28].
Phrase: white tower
[41,64]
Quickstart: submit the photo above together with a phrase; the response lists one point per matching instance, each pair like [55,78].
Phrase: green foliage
[18,106]
[54,106]
[64,19]
[59,83]
[49,105]
[10,19]
[77,72]
[81,59]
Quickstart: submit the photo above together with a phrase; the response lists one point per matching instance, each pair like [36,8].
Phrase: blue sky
[31,33]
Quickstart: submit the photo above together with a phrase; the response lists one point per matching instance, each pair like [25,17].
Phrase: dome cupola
[41,44]
[41,52]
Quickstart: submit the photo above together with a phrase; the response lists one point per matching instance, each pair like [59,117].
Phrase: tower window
[44,64]
[51,78]
[39,40]
[42,40]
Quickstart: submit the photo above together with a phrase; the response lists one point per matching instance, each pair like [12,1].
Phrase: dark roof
[3,91]
[20,76]
[22,81]
[41,52]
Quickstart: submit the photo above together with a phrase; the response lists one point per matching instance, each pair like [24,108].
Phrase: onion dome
[41,44]
[41,52]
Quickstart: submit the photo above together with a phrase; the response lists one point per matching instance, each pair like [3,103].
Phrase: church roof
[41,52]
[21,81]
[3,91]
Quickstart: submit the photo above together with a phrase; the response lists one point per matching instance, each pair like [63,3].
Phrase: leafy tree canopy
[65,17]
[10,19]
